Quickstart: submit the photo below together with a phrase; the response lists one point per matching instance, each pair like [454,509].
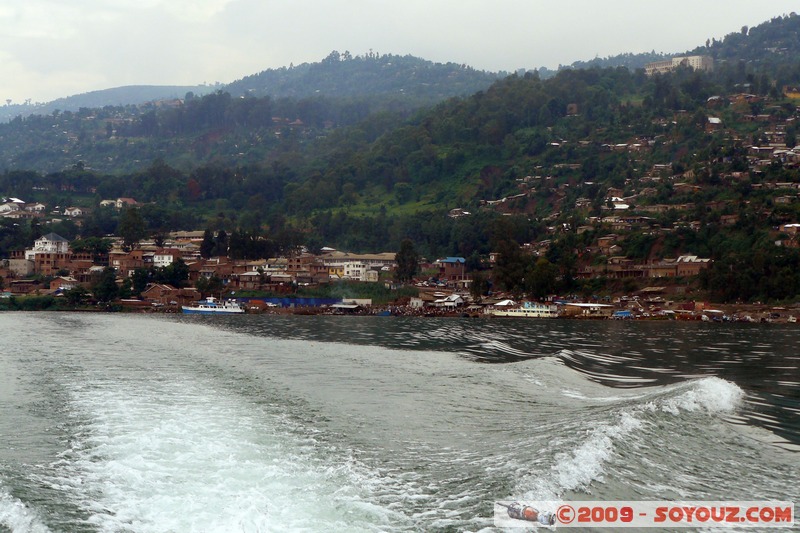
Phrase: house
[605,242]
[19,214]
[63,283]
[662,269]
[691,265]
[452,268]
[8,207]
[354,270]
[36,208]
[125,202]
[713,124]
[51,243]
[167,295]
[127,263]
[790,229]
[338,259]
[165,257]
[695,62]
[23,286]
[249,280]
[449,302]
[73,212]
[48,264]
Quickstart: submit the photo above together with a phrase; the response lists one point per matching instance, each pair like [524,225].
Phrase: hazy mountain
[118,96]
[344,75]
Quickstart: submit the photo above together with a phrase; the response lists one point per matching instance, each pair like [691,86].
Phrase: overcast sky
[55,48]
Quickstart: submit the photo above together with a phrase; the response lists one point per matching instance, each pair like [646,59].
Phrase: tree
[407,260]
[106,289]
[174,274]
[131,228]
[220,244]
[139,280]
[509,269]
[97,246]
[36,230]
[540,280]
[207,246]
[479,286]
[206,286]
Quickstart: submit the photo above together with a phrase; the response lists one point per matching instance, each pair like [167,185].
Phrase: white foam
[18,517]
[575,470]
[711,394]
[181,457]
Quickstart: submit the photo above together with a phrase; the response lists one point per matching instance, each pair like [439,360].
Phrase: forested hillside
[345,75]
[578,169]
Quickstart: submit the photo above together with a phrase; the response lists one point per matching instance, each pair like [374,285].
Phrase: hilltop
[343,75]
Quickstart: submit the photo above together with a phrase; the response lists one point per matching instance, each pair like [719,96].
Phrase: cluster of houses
[14,208]
[51,267]
[634,208]
[51,257]
[619,267]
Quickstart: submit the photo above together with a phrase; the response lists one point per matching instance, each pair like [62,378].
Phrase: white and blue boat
[210,306]
[528,310]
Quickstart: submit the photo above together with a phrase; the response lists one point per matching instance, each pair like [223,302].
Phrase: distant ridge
[117,96]
[344,75]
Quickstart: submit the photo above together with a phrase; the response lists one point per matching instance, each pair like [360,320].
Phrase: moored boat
[528,310]
[210,306]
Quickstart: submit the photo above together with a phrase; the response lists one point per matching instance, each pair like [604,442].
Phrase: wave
[184,456]
[711,394]
[627,424]
[18,517]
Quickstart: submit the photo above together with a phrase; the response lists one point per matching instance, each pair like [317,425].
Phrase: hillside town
[51,268]
[663,200]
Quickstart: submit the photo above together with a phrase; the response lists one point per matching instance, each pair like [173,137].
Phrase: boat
[211,306]
[528,310]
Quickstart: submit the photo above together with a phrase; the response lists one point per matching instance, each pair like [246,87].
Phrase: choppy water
[265,423]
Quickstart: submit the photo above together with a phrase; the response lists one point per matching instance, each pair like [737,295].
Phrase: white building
[354,270]
[340,259]
[51,243]
[668,65]
[36,208]
[8,207]
[164,258]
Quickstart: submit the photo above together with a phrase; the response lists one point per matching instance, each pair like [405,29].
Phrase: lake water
[142,423]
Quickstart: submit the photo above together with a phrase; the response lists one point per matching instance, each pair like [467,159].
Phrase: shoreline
[723,313]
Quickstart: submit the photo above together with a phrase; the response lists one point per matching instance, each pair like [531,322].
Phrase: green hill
[341,75]
[554,164]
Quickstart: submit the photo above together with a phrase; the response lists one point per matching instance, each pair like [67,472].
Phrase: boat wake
[16,516]
[614,437]
[183,456]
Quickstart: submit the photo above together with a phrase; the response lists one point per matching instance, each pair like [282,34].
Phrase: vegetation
[531,158]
